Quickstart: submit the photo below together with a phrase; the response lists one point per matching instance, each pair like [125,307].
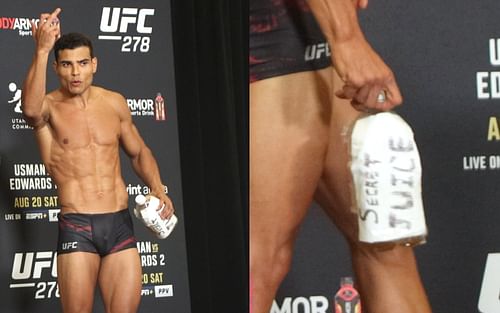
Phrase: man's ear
[94,64]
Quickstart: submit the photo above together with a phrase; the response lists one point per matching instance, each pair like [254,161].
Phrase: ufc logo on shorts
[315,52]
[69,245]
[489,298]
[118,20]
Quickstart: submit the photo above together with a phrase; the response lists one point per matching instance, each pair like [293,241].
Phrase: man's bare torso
[80,148]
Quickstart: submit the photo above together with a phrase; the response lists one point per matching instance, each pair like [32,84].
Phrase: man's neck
[82,99]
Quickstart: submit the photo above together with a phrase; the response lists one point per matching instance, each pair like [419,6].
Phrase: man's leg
[77,277]
[388,278]
[120,281]
[289,116]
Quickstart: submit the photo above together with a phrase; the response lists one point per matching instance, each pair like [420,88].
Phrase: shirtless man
[299,112]
[79,128]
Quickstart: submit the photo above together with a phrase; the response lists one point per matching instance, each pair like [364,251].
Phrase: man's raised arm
[34,87]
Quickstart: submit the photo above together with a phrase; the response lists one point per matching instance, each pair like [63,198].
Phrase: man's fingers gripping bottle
[146,210]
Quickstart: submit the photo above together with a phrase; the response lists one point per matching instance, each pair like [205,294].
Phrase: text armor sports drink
[146,211]
[386,172]
[347,298]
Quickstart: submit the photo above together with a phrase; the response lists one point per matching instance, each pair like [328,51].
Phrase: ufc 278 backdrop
[446,58]
[133,43]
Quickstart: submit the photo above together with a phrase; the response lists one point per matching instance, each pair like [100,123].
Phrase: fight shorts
[97,233]
[284,38]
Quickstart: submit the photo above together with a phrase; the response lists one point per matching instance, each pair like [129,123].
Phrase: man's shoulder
[112,99]
[107,93]
[54,95]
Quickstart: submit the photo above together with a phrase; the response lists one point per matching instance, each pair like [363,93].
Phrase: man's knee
[78,307]
[272,268]
[123,308]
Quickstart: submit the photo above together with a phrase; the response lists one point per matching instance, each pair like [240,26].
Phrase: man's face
[75,69]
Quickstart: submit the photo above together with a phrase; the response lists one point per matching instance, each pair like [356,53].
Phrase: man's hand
[165,203]
[47,31]
[365,76]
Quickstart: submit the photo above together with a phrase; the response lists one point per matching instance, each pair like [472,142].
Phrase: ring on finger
[382,96]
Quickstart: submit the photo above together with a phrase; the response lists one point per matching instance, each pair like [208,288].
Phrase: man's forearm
[147,169]
[337,18]
[34,87]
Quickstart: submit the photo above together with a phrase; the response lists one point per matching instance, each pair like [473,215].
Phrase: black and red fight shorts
[102,233]
[284,38]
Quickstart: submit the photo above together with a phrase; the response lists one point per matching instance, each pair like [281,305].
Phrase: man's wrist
[159,190]
[347,32]
[42,53]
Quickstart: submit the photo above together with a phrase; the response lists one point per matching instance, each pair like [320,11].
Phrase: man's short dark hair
[72,41]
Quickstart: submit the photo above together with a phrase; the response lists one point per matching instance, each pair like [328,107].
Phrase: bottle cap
[346,281]
[140,199]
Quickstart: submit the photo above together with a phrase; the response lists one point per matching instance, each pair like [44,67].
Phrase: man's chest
[75,127]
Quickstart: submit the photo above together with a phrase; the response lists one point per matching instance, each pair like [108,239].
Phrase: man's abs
[78,197]
[88,179]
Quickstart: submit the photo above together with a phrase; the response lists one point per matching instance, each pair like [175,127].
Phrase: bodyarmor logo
[489,298]
[141,107]
[31,265]
[21,24]
[148,107]
[118,20]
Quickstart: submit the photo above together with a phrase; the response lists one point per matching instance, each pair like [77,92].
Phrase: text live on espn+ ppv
[133,45]
[446,58]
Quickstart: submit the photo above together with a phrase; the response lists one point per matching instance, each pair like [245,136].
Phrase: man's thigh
[334,189]
[120,281]
[77,277]
[289,117]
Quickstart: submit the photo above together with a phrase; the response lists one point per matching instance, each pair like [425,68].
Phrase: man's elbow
[138,154]
[30,113]
[27,107]
[32,116]
[145,153]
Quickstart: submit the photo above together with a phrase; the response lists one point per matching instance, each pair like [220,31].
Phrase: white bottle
[386,169]
[146,210]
